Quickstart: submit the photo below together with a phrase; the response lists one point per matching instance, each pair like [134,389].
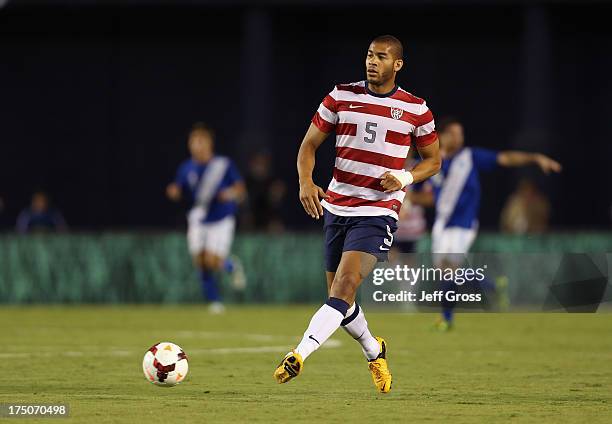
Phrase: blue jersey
[457,186]
[190,177]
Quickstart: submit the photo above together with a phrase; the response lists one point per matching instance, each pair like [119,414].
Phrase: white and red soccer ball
[165,364]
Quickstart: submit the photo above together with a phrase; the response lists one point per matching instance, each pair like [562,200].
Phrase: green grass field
[492,368]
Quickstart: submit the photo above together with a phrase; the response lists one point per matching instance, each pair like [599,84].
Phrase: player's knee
[346,282]
[199,261]
[212,262]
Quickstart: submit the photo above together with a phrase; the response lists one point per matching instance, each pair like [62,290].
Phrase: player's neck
[386,89]
[201,160]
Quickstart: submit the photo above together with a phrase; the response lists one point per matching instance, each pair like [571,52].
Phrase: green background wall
[132,267]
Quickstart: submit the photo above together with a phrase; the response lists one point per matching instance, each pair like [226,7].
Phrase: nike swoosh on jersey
[352,106]
[383,248]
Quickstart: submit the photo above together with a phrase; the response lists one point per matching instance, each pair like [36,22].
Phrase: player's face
[39,202]
[452,138]
[381,65]
[200,145]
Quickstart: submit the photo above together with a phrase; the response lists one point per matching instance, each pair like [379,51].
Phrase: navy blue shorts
[370,234]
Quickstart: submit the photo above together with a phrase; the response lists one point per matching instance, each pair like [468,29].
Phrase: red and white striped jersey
[373,135]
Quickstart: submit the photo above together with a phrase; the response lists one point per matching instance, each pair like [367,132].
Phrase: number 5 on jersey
[370,128]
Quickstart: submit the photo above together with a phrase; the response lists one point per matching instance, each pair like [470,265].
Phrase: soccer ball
[165,364]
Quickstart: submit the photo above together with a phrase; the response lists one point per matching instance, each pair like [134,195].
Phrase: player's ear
[399,63]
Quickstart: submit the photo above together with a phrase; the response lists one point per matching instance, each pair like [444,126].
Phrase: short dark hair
[396,45]
[202,126]
[445,122]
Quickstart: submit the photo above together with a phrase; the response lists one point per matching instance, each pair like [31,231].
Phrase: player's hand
[390,183]
[547,165]
[309,196]
[173,192]
[227,195]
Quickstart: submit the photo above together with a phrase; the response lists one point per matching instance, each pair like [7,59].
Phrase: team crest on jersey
[396,113]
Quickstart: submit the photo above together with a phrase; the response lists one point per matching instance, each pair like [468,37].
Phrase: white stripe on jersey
[386,122]
[425,129]
[356,142]
[360,168]
[364,193]
[359,210]
[349,96]
[327,114]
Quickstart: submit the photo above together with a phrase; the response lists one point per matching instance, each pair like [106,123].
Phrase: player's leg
[218,244]
[214,242]
[209,265]
[354,267]
[292,364]
[450,248]
[196,236]
[355,324]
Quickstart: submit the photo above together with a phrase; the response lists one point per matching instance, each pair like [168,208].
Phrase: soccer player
[40,216]
[375,122]
[214,188]
[456,196]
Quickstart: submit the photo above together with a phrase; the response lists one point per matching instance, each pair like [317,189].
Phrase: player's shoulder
[231,164]
[187,164]
[223,158]
[408,97]
[357,87]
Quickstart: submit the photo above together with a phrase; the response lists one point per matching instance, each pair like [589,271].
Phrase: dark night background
[96,100]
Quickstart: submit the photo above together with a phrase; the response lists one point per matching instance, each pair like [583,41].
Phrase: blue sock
[228,265]
[210,288]
[447,313]
[447,306]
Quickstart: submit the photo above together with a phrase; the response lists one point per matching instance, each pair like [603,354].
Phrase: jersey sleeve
[326,116]
[425,130]
[180,178]
[484,159]
[232,175]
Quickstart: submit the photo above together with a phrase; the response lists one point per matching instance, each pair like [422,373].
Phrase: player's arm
[174,190]
[513,158]
[234,193]
[309,191]
[429,165]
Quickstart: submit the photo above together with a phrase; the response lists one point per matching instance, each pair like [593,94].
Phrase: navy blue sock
[338,304]
[447,306]
[210,288]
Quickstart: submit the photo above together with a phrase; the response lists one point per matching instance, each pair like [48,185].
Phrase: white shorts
[211,237]
[452,243]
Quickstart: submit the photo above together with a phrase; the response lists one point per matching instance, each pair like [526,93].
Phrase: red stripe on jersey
[357,180]
[425,118]
[407,97]
[342,200]
[330,103]
[374,109]
[394,137]
[322,124]
[426,140]
[370,157]
[346,128]
[357,89]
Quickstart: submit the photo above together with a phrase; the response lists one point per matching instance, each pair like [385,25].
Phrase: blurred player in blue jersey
[456,196]
[214,188]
